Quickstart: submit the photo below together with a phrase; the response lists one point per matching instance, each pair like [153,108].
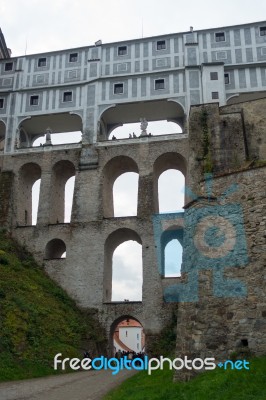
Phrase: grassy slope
[37,318]
[214,385]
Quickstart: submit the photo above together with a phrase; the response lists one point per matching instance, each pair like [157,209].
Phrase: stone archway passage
[127,335]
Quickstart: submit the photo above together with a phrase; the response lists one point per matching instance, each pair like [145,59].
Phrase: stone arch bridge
[215,139]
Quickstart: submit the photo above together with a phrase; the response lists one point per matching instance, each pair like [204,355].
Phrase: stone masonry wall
[224,139]
[221,294]
[6,182]
[229,308]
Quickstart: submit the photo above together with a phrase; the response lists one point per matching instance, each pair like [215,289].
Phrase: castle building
[212,83]
[97,88]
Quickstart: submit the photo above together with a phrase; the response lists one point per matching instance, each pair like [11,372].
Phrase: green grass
[213,385]
[37,318]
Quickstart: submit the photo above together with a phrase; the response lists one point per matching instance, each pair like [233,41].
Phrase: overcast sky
[59,24]
[34,26]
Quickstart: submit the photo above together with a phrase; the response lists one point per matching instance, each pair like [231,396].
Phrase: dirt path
[90,385]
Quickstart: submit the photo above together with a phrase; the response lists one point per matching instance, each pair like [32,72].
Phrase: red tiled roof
[129,323]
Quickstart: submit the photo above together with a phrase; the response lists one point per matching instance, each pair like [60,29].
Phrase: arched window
[114,168]
[171,186]
[55,249]
[123,266]
[61,173]
[69,194]
[169,173]
[35,200]
[173,259]
[172,252]
[28,175]
[125,194]
[127,272]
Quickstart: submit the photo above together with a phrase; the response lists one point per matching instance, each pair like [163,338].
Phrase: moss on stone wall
[164,344]
[206,145]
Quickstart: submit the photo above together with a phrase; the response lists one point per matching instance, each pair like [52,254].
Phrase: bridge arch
[164,162]
[115,239]
[127,318]
[62,171]
[28,174]
[170,234]
[111,171]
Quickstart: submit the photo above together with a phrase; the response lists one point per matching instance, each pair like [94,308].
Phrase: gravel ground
[89,385]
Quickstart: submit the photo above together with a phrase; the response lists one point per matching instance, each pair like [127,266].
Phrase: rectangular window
[8,66]
[263,31]
[122,50]
[67,96]
[73,57]
[137,335]
[2,103]
[161,45]
[159,84]
[214,76]
[42,62]
[226,79]
[215,95]
[220,37]
[118,88]
[34,100]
